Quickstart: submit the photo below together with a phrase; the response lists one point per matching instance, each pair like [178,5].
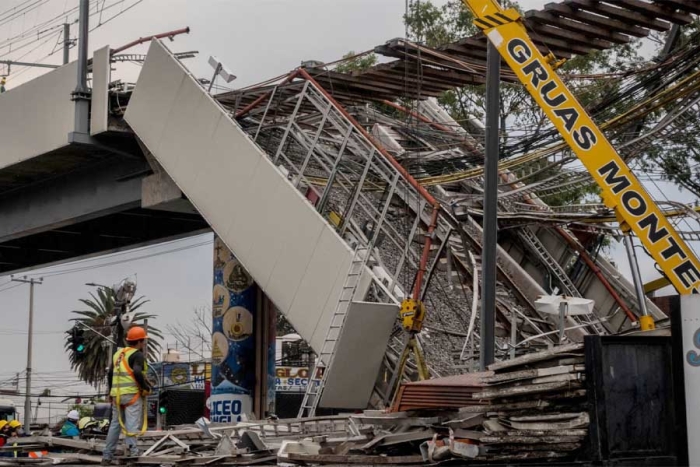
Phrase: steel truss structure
[373,153]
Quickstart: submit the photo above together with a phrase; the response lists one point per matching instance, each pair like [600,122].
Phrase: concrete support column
[265,368]
[240,342]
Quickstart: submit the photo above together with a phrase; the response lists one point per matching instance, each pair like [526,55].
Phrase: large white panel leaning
[99,107]
[359,353]
[288,248]
[37,116]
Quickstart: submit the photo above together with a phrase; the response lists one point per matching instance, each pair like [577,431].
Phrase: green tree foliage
[677,158]
[352,63]
[92,365]
[436,26]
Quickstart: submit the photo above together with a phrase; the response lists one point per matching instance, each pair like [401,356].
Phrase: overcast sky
[256,40]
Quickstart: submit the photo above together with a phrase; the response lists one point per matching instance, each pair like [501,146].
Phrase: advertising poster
[294,379]
[168,375]
[233,338]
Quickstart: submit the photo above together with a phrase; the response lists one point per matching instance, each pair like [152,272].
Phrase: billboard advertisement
[294,379]
[191,375]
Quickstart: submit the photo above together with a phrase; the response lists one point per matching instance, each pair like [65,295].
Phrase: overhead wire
[26,37]
[113,263]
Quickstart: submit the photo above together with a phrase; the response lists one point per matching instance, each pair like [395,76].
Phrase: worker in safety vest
[128,388]
[16,431]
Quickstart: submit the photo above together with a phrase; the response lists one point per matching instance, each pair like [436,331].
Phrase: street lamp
[564,306]
[219,70]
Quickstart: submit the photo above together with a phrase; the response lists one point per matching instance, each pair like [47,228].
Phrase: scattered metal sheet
[356,459]
[537,357]
[522,390]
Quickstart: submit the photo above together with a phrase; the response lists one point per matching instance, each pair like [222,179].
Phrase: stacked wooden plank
[537,406]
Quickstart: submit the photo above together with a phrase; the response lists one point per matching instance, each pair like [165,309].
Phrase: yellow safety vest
[124,384]
[123,381]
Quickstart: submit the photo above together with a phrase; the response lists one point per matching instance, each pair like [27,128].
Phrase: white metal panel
[324,322]
[155,93]
[328,260]
[37,116]
[207,117]
[193,114]
[276,234]
[99,107]
[302,233]
[264,233]
[227,172]
[359,353]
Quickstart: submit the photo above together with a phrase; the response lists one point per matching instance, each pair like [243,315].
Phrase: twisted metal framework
[345,174]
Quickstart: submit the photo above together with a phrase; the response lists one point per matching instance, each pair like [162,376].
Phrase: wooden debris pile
[245,443]
[531,407]
[537,406]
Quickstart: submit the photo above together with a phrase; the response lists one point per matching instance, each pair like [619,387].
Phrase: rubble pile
[530,407]
[537,407]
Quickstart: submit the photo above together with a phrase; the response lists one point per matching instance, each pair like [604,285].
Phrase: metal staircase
[546,258]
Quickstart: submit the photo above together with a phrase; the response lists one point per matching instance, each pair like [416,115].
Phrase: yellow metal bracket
[656,284]
[412,315]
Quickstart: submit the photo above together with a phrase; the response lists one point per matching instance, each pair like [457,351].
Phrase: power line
[26,38]
[10,288]
[49,273]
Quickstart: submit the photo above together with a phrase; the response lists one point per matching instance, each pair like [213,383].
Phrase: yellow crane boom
[622,191]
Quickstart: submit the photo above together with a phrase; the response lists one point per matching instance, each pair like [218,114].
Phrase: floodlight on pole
[124,291]
[219,70]
[564,306]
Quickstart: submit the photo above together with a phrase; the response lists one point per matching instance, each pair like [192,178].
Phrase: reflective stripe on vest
[123,380]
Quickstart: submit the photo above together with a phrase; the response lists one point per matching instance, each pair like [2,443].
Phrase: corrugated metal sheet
[448,392]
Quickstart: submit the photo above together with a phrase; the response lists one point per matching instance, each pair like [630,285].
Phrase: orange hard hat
[136,333]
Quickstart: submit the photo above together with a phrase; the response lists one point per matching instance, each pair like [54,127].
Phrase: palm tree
[93,363]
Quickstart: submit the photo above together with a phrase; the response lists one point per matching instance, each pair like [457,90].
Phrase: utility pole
[30,334]
[66,43]
[490,224]
[81,95]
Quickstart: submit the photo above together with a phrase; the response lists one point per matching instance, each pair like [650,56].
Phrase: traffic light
[78,340]
[163,402]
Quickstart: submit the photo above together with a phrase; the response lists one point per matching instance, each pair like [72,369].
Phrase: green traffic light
[162,410]
[81,348]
